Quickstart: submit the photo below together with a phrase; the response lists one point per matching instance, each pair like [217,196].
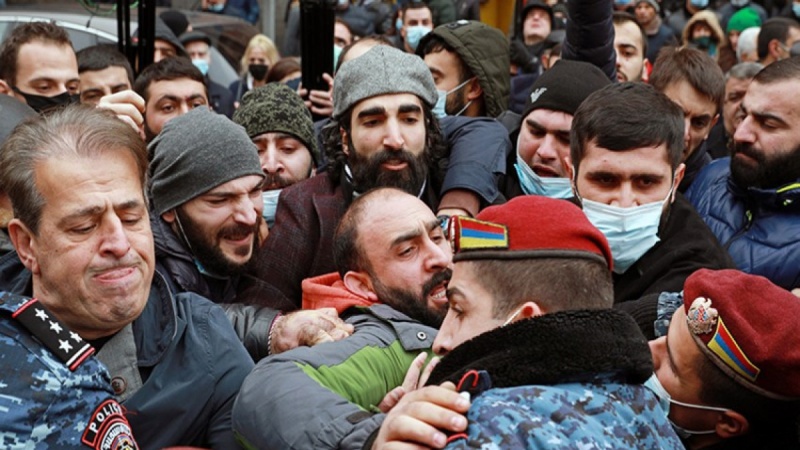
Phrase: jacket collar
[562,347]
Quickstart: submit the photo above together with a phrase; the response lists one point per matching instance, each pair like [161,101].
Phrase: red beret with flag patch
[748,327]
[528,227]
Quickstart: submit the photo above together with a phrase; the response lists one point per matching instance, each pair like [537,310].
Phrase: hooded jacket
[484,50]
[329,291]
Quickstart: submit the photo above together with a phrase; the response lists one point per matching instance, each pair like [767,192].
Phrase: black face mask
[258,71]
[42,104]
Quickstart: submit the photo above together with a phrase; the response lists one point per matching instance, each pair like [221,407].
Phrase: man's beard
[276,181]
[207,248]
[368,173]
[414,305]
[768,172]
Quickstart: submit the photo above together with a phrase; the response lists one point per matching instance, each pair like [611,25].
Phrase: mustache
[275,181]
[238,230]
[385,156]
[436,280]
[747,149]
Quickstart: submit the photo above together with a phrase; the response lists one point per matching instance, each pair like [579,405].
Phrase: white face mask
[630,232]
[270,199]
[665,400]
[532,184]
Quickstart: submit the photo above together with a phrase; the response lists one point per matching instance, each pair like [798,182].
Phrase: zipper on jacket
[748,215]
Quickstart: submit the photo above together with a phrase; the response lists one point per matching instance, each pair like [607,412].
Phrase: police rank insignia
[108,429]
[702,318]
[471,234]
[67,345]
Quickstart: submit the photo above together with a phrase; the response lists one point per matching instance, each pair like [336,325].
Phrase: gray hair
[748,43]
[75,131]
[744,71]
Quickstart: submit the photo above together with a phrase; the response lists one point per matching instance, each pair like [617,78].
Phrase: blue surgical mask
[270,199]
[623,2]
[796,9]
[202,65]
[415,34]
[336,52]
[440,108]
[664,400]
[216,7]
[699,4]
[533,184]
[398,24]
[740,3]
[630,232]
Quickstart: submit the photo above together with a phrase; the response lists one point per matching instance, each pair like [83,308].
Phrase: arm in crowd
[590,35]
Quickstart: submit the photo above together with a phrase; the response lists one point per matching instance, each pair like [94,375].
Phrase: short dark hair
[168,69]
[622,17]
[75,131]
[414,4]
[624,116]
[774,28]
[675,64]
[347,254]
[771,421]
[24,34]
[101,57]
[783,70]
[282,69]
[554,284]
[436,44]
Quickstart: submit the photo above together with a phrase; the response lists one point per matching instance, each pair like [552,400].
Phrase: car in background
[229,35]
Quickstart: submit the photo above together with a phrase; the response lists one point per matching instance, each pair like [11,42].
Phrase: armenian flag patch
[471,234]
[724,345]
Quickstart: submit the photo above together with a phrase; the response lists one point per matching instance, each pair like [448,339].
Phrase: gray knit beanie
[195,153]
[273,108]
[382,70]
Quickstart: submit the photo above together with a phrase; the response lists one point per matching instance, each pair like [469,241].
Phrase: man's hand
[415,422]
[128,106]
[415,377]
[319,102]
[307,327]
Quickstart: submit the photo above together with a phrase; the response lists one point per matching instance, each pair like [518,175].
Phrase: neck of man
[652,28]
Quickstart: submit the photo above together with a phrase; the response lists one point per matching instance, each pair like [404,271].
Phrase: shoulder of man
[54,392]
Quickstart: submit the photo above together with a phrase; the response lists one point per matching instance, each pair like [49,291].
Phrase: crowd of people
[584,235]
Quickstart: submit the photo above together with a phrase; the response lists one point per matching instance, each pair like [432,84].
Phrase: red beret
[748,327]
[527,227]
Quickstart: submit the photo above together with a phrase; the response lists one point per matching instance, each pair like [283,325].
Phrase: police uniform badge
[108,429]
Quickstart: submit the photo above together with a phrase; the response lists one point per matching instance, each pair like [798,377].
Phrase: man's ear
[169,216]
[646,70]
[679,173]
[25,242]
[774,48]
[530,309]
[571,174]
[5,88]
[345,147]
[731,424]
[475,90]
[360,284]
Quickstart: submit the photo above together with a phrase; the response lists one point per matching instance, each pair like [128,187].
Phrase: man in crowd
[542,136]
[526,49]
[198,46]
[170,88]
[417,22]
[750,200]
[541,272]
[103,70]
[469,62]
[736,81]
[776,38]
[691,79]
[625,170]
[81,231]
[280,126]
[383,134]
[630,44]
[393,264]
[659,35]
[38,66]
[206,220]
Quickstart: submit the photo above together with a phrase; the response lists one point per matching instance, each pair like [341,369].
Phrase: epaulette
[67,345]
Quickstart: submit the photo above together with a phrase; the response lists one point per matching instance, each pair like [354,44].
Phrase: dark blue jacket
[760,228]
[190,360]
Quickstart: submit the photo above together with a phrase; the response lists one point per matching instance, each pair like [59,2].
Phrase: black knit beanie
[565,86]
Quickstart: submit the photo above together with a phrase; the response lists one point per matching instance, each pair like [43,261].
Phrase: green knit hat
[275,107]
[743,19]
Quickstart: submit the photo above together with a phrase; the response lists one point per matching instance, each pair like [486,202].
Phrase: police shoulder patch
[108,429]
[67,345]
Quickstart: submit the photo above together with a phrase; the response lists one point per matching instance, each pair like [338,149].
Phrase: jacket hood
[485,50]
[710,19]
[329,291]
